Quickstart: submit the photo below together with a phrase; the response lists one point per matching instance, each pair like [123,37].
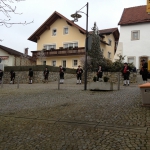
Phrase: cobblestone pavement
[41,117]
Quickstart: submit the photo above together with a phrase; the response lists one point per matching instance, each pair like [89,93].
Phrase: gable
[47,26]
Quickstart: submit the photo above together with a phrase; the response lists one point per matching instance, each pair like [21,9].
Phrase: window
[109,42]
[71,44]
[64,63]
[135,35]
[54,31]
[48,47]
[66,30]
[44,62]
[109,55]
[54,63]
[75,62]
[131,60]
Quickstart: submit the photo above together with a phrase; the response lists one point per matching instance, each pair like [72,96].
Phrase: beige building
[10,57]
[61,42]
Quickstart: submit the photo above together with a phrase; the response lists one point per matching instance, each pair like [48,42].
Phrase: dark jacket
[144,68]
[1,74]
[12,74]
[79,71]
[30,73]
[127,72]
[46,72]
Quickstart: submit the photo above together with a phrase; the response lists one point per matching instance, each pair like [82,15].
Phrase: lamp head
[76,16]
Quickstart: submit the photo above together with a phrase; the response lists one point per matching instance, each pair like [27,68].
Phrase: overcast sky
[106,13]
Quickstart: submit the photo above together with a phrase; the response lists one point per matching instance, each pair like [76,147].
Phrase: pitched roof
[49,22]
[108,31]
[113,31]
[12,51]
[134,15]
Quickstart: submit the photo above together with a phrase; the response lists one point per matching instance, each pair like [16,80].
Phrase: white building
[135,35]
[10,57]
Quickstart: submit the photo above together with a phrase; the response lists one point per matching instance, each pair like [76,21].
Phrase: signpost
[148,7]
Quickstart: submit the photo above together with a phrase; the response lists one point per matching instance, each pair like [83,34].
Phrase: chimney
[26,51]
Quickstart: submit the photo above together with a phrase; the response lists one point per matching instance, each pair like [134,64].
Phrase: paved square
[41,117]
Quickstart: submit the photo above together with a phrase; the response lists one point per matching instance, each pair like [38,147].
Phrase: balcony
[59,52]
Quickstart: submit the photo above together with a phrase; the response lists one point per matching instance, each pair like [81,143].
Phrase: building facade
[62,42]
[134,35]
[10,57]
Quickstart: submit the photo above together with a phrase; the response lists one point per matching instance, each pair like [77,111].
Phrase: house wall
[118,52]
[9,61]
[15,60]
[59,60]
[135,48]
[108,48]
[73,35]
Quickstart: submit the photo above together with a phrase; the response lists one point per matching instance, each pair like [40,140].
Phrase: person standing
[12,76]
[46,73]
[99,72]
[126,73]
[61,74]
[144,70]
[1,76]
[79,72]
[30,75]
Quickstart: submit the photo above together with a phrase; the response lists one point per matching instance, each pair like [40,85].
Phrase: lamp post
[76,16]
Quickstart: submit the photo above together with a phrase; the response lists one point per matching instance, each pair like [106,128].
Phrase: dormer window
[66,30]
[54,31]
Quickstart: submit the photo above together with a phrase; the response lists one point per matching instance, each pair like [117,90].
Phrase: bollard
[58,81]
[118,80]
[18,83]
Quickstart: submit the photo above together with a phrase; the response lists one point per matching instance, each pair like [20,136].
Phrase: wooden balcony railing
[59,52]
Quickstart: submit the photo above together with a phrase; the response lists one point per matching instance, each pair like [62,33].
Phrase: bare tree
[7,9]
[41,56]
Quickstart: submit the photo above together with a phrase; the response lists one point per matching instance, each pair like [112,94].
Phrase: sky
[106,14]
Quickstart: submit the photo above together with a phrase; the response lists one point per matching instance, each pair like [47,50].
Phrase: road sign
[88,43]
[149,65]
[148,6]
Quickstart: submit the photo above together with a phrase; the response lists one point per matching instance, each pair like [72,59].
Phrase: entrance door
[141,58]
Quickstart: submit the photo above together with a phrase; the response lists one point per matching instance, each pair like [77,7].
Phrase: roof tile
[134,15]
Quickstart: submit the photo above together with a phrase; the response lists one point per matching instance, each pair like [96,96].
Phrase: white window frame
[133,38]
[73,62]
[54,33]
[49,46]
[129,57]
[64,30]
[70,44]
[109,55]
[53,63]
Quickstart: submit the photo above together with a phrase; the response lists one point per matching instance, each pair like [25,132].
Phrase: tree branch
[6,9]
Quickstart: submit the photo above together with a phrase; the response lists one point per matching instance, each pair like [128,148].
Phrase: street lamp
[76,16]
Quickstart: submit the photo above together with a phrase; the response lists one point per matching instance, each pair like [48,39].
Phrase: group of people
[79,71]
[143,71]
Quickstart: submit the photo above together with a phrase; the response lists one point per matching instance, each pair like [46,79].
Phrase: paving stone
[41,117]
